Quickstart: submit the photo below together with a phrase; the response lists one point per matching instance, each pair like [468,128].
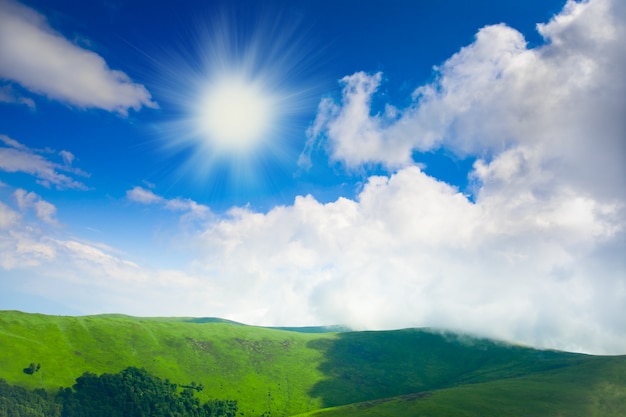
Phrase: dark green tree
[32,368]
[20,402]
[135,393]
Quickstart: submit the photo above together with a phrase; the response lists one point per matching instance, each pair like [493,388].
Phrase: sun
[235,114]
[236,91]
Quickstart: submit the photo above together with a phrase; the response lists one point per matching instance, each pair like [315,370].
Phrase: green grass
[371,365]
[263,369]
[592,388]
[394,373]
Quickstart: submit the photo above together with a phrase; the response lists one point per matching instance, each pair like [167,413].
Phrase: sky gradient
[378,164]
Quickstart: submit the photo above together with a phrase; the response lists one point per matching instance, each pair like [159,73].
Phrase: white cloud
[45,62]
[44,210]
[354,135]
[12,143]
[16,157]
[22,244]
[141,195]
[145,196]
[412,251]
[9,95]
[67,156]
[88,276]
[8,217]
[565,100]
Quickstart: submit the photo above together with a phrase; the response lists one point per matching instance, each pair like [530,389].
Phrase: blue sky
[375,164]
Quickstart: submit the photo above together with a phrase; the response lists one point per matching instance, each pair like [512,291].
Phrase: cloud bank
[44,62]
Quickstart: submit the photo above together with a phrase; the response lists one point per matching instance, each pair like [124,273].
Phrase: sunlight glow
[235,114]
[236,94]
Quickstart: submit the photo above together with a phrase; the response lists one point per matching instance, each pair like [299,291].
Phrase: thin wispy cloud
[145,196]
[9,95]
[16,157]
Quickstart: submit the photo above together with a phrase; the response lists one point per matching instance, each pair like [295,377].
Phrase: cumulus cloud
[17,157]
[413,251]
[563,99]
[44,62]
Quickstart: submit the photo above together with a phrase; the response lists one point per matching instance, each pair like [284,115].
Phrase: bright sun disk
[235,114]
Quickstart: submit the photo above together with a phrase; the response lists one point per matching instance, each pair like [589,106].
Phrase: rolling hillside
[595,388]
[412,372]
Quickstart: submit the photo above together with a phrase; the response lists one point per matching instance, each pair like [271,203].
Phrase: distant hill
[316,370]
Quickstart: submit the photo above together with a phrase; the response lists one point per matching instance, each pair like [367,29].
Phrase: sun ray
[235,95]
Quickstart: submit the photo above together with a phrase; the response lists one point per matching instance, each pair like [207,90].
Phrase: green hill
[591,388]
[264,369]
[412,372]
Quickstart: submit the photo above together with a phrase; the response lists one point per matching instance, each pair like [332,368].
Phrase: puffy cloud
[354,136]
[45,62]
[413,251]
[563,99]
[16,157]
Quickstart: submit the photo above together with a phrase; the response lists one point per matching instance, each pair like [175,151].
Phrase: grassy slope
[231,361]
[290,372]
[592,388]
[369,365]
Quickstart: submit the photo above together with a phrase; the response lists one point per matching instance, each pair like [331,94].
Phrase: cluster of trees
[32,368]
[131,393]
[20,402]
